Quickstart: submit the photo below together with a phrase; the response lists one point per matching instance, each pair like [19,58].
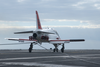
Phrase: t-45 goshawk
[41,35]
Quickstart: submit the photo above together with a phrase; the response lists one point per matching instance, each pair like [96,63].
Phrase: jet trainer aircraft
[41,35]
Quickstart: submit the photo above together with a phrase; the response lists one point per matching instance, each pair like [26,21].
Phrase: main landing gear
[30,48]
[62,49]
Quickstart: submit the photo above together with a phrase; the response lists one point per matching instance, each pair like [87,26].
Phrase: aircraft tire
[62,50]
[53,50]
[30,50]
[57,50]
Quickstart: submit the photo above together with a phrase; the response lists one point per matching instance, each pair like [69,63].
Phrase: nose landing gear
[56,48]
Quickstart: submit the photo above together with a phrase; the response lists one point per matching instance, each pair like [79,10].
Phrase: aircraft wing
[65,41]
[21,40]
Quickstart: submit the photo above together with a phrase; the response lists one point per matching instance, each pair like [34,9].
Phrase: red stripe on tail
[38,21]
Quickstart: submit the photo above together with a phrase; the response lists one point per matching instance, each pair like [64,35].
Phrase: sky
[73,19]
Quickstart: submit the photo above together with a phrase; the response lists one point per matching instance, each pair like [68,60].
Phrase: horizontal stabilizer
[33,32]
[23,32]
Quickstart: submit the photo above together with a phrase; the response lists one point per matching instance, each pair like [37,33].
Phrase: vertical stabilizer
[38,21]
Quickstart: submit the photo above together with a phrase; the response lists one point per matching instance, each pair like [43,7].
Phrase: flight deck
[44,58]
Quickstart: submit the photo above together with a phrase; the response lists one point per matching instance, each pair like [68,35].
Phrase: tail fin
[38,21]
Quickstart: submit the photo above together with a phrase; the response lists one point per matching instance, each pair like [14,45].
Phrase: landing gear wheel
[53,50]
[56,50]
[62,49]
[30,48]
